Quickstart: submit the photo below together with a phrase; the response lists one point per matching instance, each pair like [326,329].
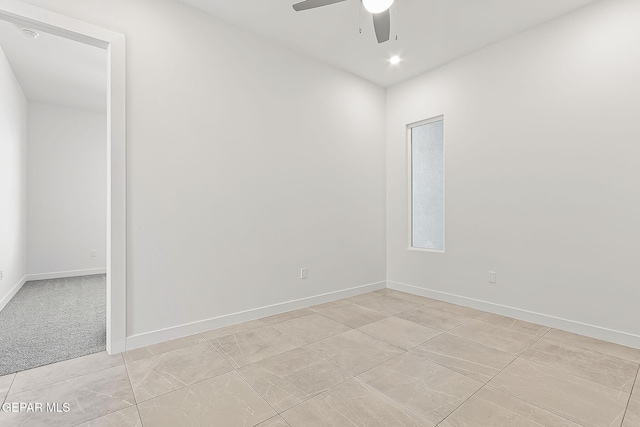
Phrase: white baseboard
[598,332]
[161,335]
[61,274]
[4,301]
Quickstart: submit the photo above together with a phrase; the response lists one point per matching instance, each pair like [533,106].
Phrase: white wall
[542,173]
[13,191]
[246,162]
[67,190]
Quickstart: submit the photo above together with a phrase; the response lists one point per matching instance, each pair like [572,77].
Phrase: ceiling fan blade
[382,25]
[312,4]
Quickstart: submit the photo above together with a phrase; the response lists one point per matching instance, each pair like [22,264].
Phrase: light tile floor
[384,359]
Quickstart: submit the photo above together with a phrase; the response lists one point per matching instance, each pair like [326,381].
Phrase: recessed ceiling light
[394,60]
[30,33]
[377,6]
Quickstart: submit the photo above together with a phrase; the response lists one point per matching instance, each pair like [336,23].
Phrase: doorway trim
[113,43]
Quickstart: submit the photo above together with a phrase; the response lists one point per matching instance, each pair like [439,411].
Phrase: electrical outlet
[304,273]
[93,253]
[492,277]
[1,274]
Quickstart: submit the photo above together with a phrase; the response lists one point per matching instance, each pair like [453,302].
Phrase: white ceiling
[56,70]
[430,32]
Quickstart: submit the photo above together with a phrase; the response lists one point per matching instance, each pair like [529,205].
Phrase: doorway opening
[112,46]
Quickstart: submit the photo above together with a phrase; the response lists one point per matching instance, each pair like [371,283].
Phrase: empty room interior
[320,213]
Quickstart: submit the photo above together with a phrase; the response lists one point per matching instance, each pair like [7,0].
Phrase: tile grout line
[386,316]
[133,394]
[626,409]
[60,381]
[509,394]
[506,327]
[636,361]
[355,377]
[422,343]
[329,361]
[399,299]
[436,336]
[9,389]
[403,349]
[388,296]
[400,404]
[278,413]
[139,415]
[430,304]
[563,370]
[259,395]
[166,352]
[287,320]
[327,317]
[352,329]
[487,383]
[305,344]
[396,316]
[440,334]
[472,342]
[185,386]
[258,361]
[389,397]
[544,336]
[386,395]
[573,375]
[118,410]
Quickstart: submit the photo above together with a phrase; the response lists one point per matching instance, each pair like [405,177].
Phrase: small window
[426,147]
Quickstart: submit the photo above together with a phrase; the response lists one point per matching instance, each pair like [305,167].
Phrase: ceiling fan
[378,8]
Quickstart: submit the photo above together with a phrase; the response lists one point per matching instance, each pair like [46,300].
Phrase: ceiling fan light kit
[378,8]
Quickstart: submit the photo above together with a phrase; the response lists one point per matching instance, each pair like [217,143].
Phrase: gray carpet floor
[49,321]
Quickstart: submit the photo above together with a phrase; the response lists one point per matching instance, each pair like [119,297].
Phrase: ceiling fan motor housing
[378,8]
